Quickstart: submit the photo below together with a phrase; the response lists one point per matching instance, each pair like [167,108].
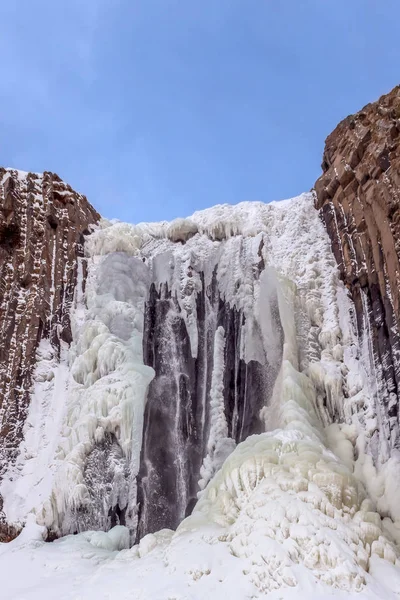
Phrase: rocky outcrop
[42,222]
[359,198]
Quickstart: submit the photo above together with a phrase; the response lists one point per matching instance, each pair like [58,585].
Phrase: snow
[20,174]
[299,511]
[205,561]
[29,483]
[117,538]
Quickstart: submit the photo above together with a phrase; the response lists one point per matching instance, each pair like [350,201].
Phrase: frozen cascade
[215,372]
[83,474]
[104,421]
[180,398]
[285,500]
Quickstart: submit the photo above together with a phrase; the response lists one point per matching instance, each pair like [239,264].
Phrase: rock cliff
[42,222]
[359,198]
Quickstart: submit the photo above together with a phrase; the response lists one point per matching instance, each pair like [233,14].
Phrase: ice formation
[234,326]
[286,500]
[84,469]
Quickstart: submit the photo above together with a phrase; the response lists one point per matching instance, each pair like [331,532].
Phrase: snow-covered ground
[187,566]
[295,512]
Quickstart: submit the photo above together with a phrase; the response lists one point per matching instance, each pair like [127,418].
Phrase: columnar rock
[359,198]
[42,222]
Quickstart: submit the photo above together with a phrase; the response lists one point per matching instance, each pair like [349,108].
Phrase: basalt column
[359,198]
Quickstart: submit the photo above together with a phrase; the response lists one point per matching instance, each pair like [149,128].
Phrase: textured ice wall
[81,474]
[288,508]
[243,252]
[103,430]
[234,245]
[205,289]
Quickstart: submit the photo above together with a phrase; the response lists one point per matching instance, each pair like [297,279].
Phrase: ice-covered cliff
[42,222]
[358,195]
[210,405]
[215,373]
[178,336]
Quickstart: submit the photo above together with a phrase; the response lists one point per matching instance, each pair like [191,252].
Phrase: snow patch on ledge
[218,223]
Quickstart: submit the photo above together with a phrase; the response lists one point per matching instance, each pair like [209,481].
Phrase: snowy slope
[295,511]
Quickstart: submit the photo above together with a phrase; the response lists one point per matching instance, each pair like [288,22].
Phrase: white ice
[291,513]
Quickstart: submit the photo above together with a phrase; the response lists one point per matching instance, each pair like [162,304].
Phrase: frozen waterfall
[215,385]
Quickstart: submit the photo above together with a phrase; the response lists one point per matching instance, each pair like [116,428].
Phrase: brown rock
[42,221]
[362,165]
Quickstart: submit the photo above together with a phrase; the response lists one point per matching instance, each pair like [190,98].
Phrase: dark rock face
[177,416]
[359,198]
[42,222]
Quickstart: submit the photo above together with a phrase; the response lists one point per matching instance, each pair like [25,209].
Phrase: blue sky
[157,108]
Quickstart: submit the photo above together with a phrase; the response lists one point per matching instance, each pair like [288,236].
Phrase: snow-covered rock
[217,402]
